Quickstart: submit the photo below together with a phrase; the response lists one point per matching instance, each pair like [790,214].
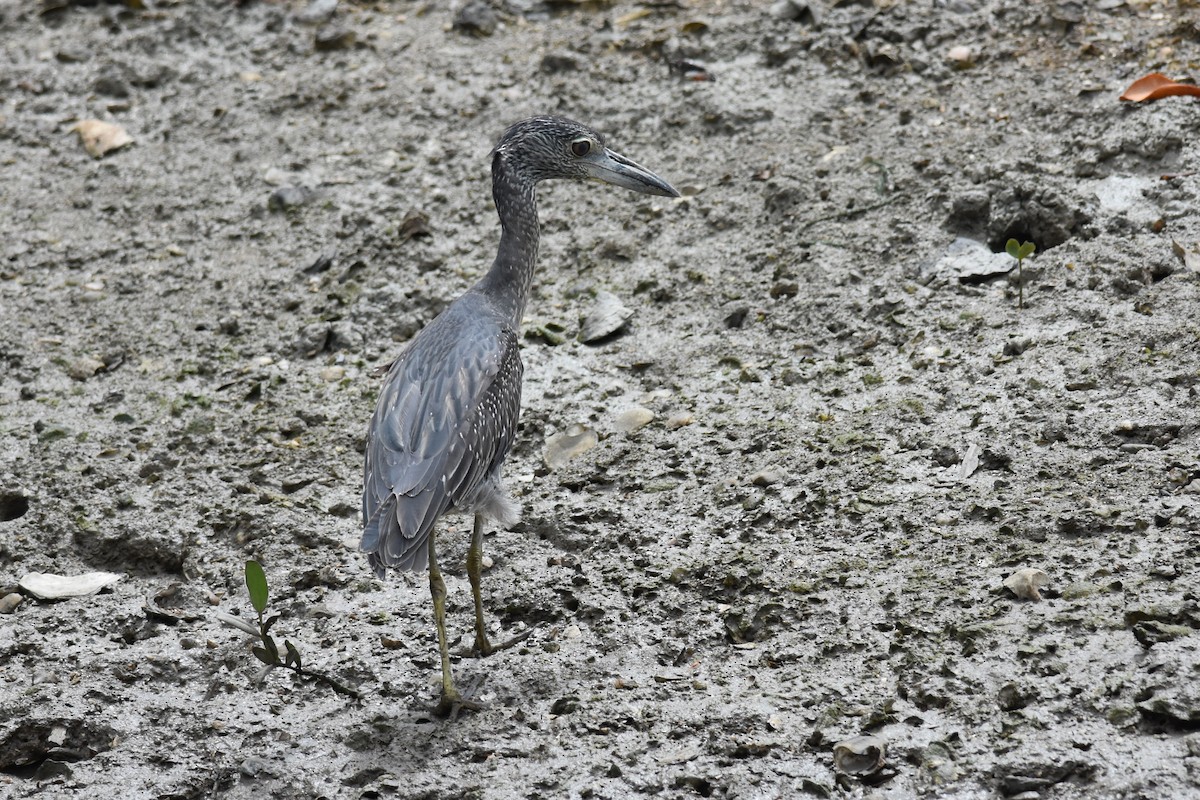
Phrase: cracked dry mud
[856,439]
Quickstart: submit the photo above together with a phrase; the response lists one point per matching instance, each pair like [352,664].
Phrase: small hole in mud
[1022,234]
[13,506]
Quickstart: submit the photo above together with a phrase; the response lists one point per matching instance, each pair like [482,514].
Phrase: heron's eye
[581,147]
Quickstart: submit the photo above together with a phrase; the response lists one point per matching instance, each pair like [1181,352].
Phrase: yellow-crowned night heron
[447,414]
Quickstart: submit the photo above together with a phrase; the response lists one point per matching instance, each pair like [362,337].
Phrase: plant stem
[332,683]
[1020,284]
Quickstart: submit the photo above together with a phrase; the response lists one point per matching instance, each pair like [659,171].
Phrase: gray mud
[857,435]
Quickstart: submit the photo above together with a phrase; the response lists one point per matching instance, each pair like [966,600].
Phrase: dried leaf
[240,624]
[970,461]
[1189,254]
[1156,86]
[47,586]
[101,137]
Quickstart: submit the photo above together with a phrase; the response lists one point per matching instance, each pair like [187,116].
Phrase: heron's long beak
[616,169]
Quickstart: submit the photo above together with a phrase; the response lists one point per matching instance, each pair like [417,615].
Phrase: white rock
[1026,583]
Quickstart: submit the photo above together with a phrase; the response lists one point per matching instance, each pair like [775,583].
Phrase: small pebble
[1026,583]
[274,176]
[9,602]
[960,57]
[286,197]
[676,421]
[476,18]
[73,55]
[333,374]
[766,477]
[83,368]
[329,38]
[796,11]
[633,419]
[318,11]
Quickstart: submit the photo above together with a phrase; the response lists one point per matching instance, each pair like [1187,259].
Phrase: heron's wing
[445,419]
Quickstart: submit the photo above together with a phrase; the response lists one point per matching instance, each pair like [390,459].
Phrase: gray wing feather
[445,419]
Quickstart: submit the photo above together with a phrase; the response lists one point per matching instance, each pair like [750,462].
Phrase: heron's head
[541,148]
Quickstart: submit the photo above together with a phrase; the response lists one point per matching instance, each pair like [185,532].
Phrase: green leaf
[1026,250]
[256,583]
[265,657]
[1013,248]
[272,648]
[292,653]
[271,620]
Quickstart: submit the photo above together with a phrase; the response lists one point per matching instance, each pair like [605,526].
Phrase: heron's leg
[483,647]
[451,699]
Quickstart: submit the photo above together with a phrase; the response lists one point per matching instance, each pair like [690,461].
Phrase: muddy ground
[858,434]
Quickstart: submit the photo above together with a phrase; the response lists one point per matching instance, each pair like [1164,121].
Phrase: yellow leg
[483,647]
[451,699]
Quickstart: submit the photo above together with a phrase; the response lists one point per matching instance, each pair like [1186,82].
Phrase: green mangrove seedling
[267,650]
[1020,252]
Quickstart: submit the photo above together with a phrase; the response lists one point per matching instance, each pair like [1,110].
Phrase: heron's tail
[385,544]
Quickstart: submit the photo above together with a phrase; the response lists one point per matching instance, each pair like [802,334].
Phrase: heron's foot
[484,647]
[452,702]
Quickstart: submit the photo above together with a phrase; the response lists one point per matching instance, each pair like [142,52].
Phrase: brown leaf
[1156,86]
[101,137]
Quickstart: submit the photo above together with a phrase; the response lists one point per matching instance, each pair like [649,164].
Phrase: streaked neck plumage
[509,281]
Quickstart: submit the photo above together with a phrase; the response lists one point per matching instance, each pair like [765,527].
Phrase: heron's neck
[510,279]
